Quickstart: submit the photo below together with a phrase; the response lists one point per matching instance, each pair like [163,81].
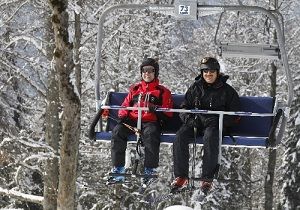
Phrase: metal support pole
[221,116]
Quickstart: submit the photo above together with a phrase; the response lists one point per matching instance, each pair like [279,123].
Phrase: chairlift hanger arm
[221,8]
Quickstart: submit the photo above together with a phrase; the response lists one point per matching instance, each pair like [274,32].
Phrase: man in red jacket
[147,93]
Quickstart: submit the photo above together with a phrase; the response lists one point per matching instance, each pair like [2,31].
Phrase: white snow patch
[297,120]
[178,207]
[72,79]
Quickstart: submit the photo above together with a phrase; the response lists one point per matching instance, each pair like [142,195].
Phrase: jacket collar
[149,85]
[221,80]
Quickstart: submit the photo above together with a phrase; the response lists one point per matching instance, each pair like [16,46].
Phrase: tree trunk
[269,179]
[53,129]
[70,100]
[77,45]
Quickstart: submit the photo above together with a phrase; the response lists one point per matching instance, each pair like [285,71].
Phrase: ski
[112,182]
[130,175]
[144,186]
[176,190]
[217,179]
[133,175]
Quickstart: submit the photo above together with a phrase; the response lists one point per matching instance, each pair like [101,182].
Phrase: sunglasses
[148,69]
[209,70]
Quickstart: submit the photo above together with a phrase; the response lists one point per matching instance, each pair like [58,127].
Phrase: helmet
[150,62]
[209,63]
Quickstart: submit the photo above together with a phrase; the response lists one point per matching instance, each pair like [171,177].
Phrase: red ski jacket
[147,94]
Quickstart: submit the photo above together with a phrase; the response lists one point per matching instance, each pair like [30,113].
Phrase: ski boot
[117,177]
[206,186]
[179,184]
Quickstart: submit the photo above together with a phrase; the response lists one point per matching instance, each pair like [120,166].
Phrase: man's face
[148,73]
[209,76]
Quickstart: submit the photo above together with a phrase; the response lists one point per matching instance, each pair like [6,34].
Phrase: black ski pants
[184,136]
[151,139]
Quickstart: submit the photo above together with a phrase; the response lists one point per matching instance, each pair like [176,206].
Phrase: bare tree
[70,99]
[53,129]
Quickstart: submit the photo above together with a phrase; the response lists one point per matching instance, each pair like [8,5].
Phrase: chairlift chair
[261,116]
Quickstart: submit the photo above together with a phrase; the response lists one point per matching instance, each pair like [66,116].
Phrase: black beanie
[209,63]
[150,62]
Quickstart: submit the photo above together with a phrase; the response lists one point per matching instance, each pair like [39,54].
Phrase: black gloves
[192,122]
[122,120]
[160,115]
[210,120]
[152,108]
[188,119]
[201,120]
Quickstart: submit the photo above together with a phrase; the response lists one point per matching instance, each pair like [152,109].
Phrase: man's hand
[122,120]
[193,121]
[210,121]
[152,108]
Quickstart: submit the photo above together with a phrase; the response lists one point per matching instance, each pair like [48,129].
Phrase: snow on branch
[32,40]
[22,196]
[32,144]
[24,76]
[13,14]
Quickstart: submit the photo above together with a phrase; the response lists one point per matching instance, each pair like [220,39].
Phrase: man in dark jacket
[147,93]
[209,92]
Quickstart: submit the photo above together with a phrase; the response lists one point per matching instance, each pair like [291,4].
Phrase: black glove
[211,121]
[122,120]
[152,108]
[191,122]
[184,117]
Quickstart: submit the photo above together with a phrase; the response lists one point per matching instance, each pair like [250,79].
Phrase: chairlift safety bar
[192,111]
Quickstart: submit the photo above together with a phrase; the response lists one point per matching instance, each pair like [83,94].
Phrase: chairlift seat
[252,131]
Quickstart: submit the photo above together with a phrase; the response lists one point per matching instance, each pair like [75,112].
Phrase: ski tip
[175,190]
[108,183]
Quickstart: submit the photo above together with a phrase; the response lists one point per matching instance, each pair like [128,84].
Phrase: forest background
[47,61]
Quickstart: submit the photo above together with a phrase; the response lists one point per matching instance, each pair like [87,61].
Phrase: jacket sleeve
[187,104]
[233,104]
[167,102]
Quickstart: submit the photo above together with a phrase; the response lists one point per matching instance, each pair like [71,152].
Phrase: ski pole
[194,143]
[139,145]
[194,154]
[221,116]
[134,129]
